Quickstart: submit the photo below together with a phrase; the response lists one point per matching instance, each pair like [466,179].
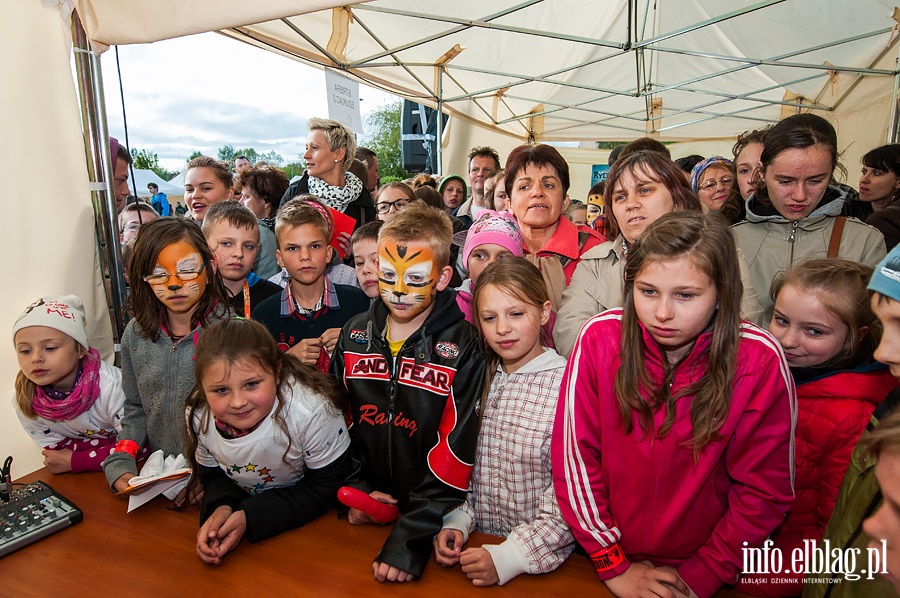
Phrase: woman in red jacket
[672,445]
[824,322]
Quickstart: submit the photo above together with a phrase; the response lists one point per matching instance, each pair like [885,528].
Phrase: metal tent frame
[563,103]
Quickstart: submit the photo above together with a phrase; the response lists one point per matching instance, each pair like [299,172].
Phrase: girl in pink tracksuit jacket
[672,446]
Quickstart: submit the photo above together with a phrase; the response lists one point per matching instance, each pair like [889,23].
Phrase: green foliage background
[382,137]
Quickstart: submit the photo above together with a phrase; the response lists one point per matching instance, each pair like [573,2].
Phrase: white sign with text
[343,101]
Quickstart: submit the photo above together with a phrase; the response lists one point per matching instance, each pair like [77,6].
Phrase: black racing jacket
[415,419]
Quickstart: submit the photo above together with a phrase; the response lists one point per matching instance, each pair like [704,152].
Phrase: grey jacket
[771,243]
[157,379]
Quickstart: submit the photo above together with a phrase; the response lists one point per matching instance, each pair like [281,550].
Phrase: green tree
[249,153]
[147,160]
[292,169]
[226,153]
[383,138]
[194,154]
[273,158]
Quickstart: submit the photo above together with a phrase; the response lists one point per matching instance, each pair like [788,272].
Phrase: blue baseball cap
[886,277]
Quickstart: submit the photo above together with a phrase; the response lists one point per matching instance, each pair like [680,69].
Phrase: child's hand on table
[123,482]
[191,494]
[385,572]
[447,547]
[220,534]
[58,461]
[690,593]
[479,567]
[643,579]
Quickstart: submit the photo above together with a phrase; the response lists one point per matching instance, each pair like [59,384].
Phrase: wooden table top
[151,552]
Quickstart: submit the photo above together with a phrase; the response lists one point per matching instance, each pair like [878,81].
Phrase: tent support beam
[747,63]
[334,59]
[726,97]
[796,104]
[639,131]
[463,25]
[100,174]
[477,104]
[859,77]
[482,23]
[440,121]
[714,115]
[558,107]
[522,79]
[774,61]
[394,56]
[779,62]
[525,79]
[893,133]
[707,22]
[749,95]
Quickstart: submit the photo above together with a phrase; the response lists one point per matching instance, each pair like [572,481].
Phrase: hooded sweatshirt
[771,243]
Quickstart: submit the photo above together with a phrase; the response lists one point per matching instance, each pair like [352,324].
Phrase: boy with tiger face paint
[414,371]
[408,278]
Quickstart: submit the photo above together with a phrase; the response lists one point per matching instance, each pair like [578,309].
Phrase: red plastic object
[381,512]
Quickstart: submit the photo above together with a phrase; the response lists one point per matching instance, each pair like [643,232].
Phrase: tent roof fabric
[569,70]
[562,70]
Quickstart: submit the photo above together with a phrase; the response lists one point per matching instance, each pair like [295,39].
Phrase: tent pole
[893,133]
[440,120]
[100,174]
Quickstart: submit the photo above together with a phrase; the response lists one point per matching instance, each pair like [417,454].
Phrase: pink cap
[493,228]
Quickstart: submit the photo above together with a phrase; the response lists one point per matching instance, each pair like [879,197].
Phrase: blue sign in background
[598,173]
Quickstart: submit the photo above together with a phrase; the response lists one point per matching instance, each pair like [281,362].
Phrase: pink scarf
[79,400]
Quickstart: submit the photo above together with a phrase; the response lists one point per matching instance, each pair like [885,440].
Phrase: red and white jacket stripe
[649,495]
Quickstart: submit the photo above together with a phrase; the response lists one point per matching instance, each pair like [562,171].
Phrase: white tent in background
[178,181]
[143,177]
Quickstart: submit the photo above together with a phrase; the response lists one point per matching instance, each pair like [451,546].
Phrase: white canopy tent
[178,181]
[142,178]
[508,71]
[570,70]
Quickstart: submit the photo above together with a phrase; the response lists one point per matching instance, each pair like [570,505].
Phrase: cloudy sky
[204,91]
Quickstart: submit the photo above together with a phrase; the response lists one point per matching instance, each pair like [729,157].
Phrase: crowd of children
[414,361]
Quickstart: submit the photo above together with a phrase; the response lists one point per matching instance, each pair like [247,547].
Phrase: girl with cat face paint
[175,292]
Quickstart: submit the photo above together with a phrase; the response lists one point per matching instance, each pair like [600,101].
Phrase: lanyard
[246,300]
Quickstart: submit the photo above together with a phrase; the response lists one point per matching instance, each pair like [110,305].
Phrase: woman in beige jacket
[641,187]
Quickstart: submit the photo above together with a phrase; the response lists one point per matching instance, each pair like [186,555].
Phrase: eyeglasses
[711,184]
[383,207]
[182,275]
